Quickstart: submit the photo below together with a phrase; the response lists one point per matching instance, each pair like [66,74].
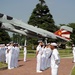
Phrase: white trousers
[10,61]
[16,61]
[38,65]
[54,71]
[48,63]
[7,55]
[25,56]
[73,56]
[43,63]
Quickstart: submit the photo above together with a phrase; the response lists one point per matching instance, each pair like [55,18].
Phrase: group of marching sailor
[10,54]
[47,56]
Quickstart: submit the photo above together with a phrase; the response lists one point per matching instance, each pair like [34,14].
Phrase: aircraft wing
[11,28]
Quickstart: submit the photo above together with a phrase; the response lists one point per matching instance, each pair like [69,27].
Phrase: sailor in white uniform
[43,58]
[3,53]
[38,56]
[16,54]
[6,53]
[48,52]
[11,56]
[0,53]
[25,53]
[73,48]
[55,59]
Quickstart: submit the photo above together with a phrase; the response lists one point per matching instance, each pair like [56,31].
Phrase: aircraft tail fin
[64,32]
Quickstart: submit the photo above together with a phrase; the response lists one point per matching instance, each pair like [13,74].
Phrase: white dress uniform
[47,60]
[11,57]
[55,60]
[16,54]
[7,54]
[43,59]
[48,55]
[3,54]
[0,53]
[38,67]
[73,53]
[25,53]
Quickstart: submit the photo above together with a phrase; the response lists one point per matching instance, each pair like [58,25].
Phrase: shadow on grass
[3,68]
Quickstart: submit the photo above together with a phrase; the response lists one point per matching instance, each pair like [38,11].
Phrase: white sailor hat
[53,44]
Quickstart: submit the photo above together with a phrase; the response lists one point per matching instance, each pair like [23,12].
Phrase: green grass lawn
[65,53]
[3,65]
[30,54]
[73,71]
[62,52]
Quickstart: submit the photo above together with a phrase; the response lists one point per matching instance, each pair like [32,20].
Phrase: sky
[63,11]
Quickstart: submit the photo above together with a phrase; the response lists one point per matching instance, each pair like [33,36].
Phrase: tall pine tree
[42,18]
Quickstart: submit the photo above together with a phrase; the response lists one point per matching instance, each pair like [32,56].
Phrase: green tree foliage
[4,37]
[41,17]
[18,38]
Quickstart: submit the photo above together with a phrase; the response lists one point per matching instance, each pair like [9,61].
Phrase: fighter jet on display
[19,25]
[12,24]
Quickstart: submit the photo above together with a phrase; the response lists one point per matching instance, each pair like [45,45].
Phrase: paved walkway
[29,68]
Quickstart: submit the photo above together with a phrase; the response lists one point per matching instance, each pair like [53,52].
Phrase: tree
[41,17]
[18,38]
[4,37]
